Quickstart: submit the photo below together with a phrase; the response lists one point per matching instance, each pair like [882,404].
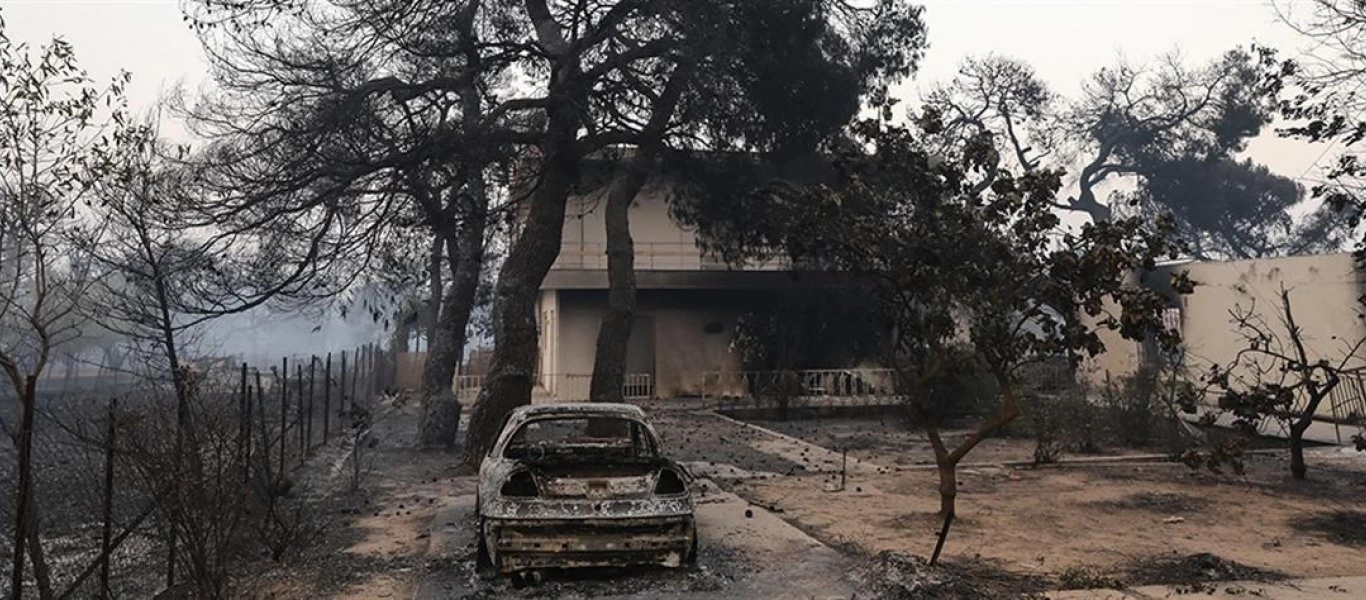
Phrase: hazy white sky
[1065,40]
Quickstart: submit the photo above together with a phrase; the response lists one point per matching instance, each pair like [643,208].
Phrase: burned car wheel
[583,485]
[690,558]
[481,548]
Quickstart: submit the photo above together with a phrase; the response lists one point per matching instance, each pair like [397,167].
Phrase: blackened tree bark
[440,419]
[511,368]
[510,378]
[435,290]
[609,357]
[401,339]
[440,422]
[614,334]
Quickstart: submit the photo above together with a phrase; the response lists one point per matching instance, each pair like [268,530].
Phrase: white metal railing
[679,256]
[1345,408]
[564,386]
[807,384]
[467,387]
[638,386]
[1347,403]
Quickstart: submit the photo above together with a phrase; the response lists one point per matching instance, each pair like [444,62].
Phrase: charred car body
[582,485]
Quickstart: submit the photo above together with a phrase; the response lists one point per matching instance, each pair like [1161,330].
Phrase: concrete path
[816,458]
[1346,588]
[780,562]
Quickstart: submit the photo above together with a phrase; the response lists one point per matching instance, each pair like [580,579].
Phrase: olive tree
[54,122]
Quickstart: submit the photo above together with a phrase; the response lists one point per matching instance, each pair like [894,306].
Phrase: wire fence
[123,480]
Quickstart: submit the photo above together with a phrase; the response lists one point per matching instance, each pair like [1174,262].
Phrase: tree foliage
[56,127]
[1167,133]
[1321,94]
[356,142]
[963,275]
[1226,208]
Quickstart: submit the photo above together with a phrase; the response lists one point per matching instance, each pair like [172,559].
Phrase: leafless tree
[1279,374]
[150,277]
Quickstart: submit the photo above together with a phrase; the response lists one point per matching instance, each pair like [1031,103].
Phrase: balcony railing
[564,387]
[808,388]
[662,256]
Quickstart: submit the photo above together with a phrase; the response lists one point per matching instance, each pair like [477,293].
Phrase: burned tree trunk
[609,358]
[401,339]
[440,418]
[614,334]
[26,506]
[948,495]
[947,462]
[431,318]
[23,503]
[1298,469]
[510,378]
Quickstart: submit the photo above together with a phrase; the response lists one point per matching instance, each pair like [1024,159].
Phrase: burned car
[582,485]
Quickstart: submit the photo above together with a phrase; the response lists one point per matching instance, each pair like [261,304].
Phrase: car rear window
[581,437]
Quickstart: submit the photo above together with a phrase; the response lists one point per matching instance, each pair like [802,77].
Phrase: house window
[1151,351]
[1171,318]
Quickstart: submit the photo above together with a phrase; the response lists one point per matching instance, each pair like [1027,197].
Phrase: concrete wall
[550,332]
[1324,293]
[686,349]
[650,221]
[1121,357]
[661,244]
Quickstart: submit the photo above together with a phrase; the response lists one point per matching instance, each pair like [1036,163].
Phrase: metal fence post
[244,427]
[108,529]
[308,432]
[261,419]
[327,395]
[342,400]
[355,376]
[299,406]
[284,410]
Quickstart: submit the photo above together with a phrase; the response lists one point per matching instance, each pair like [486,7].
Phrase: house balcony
[658,256]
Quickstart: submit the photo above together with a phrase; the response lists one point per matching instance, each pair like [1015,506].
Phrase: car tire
[481,548]
[690,559]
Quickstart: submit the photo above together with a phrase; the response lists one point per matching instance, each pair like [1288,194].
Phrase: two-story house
[687,302]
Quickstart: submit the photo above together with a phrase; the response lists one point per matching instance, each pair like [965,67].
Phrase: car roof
[613,409]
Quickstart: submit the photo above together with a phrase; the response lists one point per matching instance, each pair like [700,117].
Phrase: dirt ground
[373,541]
[774,525]
[1106,519]
[886,440]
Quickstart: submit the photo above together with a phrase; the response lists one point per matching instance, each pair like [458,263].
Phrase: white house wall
[659,242]
[1324,294]
[683,347]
